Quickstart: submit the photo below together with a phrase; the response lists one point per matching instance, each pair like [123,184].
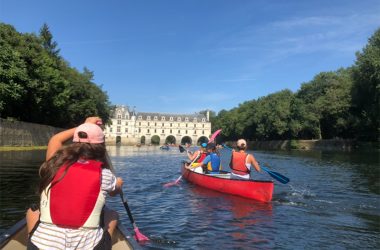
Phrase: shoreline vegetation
[301,145]
[342,103]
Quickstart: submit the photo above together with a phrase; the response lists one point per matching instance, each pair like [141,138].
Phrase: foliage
[35,78]
[366,89]
[336,104]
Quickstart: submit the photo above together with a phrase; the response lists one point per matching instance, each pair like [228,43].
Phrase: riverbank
[310,145]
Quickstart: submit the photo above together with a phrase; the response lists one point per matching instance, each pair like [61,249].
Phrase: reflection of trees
[364,164]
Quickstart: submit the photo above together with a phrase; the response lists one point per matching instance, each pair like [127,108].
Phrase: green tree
[366,89]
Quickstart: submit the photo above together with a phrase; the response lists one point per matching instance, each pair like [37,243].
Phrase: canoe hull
[251,189]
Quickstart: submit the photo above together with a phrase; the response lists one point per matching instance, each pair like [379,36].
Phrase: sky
[185,56]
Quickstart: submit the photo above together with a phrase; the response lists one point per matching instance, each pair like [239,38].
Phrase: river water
[331,202]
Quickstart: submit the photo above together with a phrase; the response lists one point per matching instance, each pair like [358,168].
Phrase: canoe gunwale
[7,236]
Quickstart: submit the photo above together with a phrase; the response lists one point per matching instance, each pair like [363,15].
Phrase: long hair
[67,156]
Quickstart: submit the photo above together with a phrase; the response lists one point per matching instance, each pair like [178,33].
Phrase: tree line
[37,85]
[337,104]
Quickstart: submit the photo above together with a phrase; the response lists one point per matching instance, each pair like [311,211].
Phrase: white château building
[131,128]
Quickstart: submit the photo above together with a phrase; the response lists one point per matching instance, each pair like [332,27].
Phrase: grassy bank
[21,148]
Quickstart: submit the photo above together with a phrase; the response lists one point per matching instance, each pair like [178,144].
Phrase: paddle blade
[139,236]
[214,135]
[181,149]
[173,182]
[277,176]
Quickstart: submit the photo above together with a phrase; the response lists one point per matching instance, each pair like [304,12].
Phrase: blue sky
[183,56]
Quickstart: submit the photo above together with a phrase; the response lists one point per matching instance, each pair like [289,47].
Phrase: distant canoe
[16,238]
[251,189]
[164,148]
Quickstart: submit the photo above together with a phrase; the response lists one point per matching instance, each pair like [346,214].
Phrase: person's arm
[57,141]
[254,163]
[118,187]
[193,156]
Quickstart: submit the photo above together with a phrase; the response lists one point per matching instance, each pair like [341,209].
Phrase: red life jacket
[76,199]
[237,163]
[201,157]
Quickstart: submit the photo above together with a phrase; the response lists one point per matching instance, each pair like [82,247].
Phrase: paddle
[214,135]
[180,177]
[138,235]
[274,175]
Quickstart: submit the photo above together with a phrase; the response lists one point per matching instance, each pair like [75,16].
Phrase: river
[331,202]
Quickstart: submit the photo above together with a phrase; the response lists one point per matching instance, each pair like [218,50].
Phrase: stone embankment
[23,134]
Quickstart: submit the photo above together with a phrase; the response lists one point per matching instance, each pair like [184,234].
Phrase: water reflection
[330,196]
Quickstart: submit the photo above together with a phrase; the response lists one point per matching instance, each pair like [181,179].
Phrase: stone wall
[16,133]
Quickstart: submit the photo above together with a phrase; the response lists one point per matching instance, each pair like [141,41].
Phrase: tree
[47,40]
[366,89]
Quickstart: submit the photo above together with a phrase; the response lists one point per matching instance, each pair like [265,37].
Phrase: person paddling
[211,164]
[241,162]
[75,180]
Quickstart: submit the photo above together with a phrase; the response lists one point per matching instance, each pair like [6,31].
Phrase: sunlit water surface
[331,202]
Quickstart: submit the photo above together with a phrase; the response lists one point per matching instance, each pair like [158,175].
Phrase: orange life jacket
[237,163]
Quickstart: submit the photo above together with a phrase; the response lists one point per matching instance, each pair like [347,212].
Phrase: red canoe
[251,189]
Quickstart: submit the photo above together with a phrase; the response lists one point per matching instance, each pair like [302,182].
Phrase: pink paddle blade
[139,236]
[173,182]
[214,135]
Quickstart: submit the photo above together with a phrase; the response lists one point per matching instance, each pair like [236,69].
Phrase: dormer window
[171,118]
[186,119]
[155,118]
[179,119]
[162,118]
[203,119]
[140,117]
[195,120]
[148,117]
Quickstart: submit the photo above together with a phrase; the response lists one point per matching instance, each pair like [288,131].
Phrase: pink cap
[88,133]
[241,143]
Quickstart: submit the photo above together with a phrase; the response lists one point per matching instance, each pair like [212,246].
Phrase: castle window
[118,122]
